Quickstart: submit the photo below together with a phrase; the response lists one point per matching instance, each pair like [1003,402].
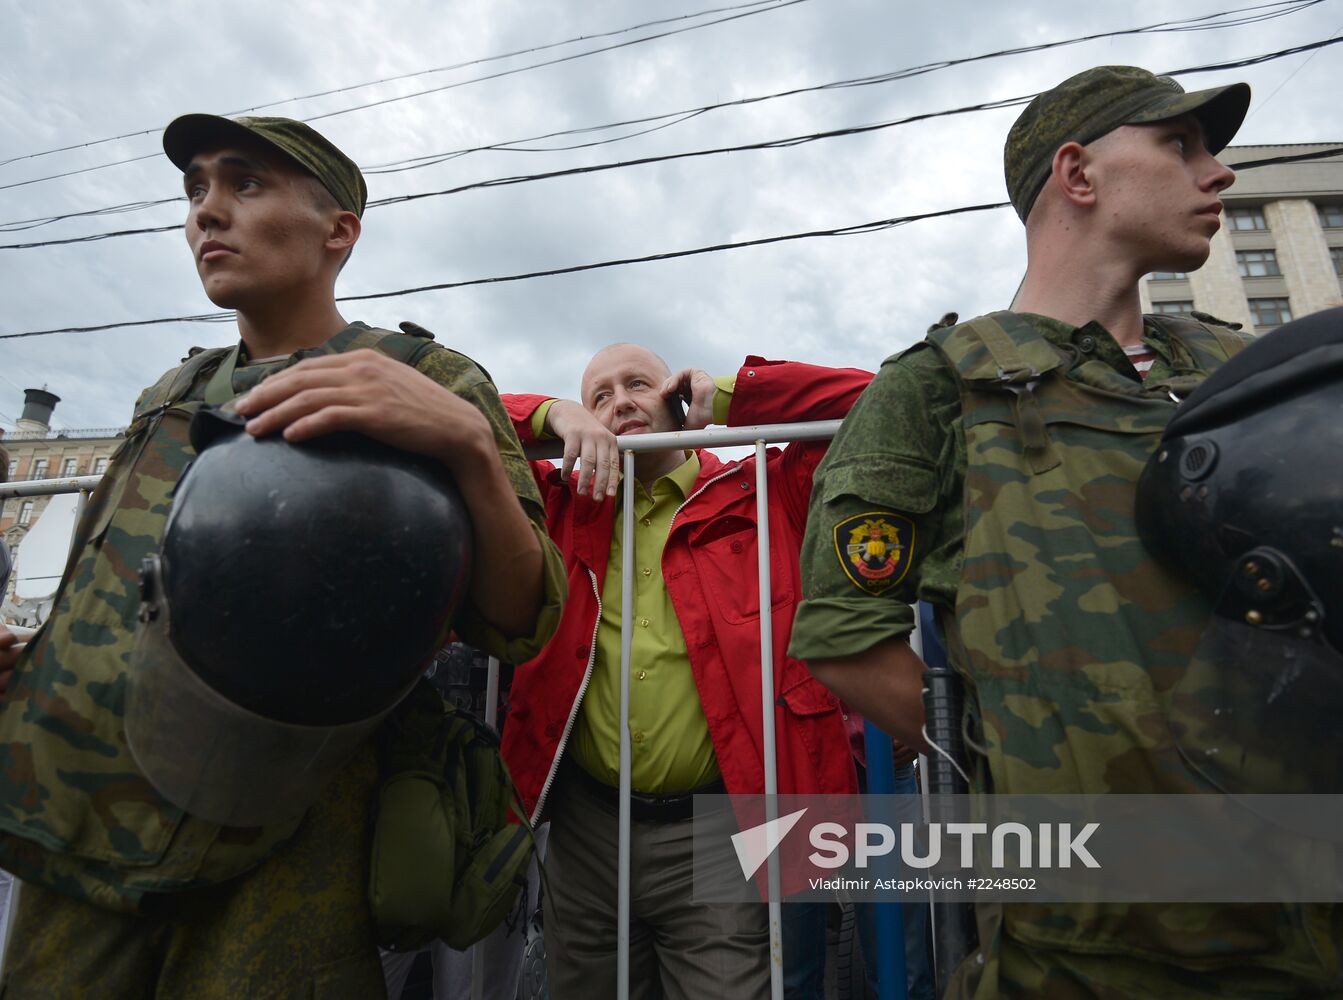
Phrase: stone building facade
[37,451]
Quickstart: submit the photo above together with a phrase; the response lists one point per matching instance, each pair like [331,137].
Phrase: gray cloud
[67,79]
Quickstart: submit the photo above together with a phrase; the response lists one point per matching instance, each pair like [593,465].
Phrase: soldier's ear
[1070,172]
[344,232]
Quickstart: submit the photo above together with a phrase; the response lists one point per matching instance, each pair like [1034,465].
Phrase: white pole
[626,637]
[80,504]
[776,955]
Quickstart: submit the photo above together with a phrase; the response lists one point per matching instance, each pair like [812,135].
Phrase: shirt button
[638,737]
[647,521]
[745,485]
[736,546]
[647,571]
[643,622]
[643,674]
[1087,344]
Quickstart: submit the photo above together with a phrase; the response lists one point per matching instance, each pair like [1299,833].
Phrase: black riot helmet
[1244,498]
[298,593]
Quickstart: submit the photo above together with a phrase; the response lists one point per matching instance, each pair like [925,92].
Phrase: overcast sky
[84,71]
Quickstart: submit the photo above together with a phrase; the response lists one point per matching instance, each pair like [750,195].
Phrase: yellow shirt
[669,737]
[671,750]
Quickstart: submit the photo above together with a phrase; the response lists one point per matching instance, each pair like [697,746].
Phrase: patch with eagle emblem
[874,549]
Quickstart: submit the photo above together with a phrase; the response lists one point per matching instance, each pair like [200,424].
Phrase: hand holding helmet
[298,593]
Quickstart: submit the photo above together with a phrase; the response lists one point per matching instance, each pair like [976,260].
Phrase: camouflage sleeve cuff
[832,627]
[479,633]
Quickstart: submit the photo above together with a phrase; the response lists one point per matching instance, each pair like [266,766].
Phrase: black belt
[644,807]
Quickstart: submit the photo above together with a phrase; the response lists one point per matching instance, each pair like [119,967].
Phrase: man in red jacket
[695,712]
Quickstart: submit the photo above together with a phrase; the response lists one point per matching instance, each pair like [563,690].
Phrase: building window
[99,466]
[39,469]
[1257,263]
[25,512]
[13,467]
[69,467]
[1331,216]
[1179,307]
[1335,254]
[1169,276]
[1270,312]
[1246,218]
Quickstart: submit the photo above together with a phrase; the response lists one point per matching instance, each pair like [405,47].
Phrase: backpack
[451,842]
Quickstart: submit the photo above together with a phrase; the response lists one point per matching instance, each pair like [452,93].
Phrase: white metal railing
[48,487]
[630,445]
[83,485]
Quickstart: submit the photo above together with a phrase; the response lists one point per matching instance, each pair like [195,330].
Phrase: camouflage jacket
[75,813]
[1014,517]
[1070,637]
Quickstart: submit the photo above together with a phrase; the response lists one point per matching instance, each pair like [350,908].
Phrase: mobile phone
[676,407]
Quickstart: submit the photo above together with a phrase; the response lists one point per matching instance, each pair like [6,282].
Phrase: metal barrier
[880,768]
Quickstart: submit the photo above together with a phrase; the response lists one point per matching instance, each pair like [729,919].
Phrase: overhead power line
[588,169]
[1205,22]
[1225,20]
[865,227]
[775,5]
[405,76]
[784,143]
[854,230]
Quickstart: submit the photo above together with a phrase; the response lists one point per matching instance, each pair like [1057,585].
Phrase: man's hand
[375,395]
[588,442]
[11,645]
[698,387]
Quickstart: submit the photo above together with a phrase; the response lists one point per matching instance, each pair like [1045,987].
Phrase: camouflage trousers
[297,926]
[1015,971]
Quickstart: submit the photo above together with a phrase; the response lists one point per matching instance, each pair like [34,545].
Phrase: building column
[1217,286]
[1303,256]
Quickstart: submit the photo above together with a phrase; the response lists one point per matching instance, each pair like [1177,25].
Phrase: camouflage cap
[1094,103]
[312,152]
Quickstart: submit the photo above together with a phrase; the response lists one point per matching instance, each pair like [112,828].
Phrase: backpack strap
[1207,340]
[174,384]
[407,347]
[413,343]
[1002,352]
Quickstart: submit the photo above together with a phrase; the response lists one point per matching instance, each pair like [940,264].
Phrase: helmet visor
[209,756]
[1257,713]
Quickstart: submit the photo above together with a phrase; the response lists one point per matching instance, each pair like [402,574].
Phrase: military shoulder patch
[875,549]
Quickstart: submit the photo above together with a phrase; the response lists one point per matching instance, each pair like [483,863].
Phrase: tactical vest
[1068,636]
[75,813]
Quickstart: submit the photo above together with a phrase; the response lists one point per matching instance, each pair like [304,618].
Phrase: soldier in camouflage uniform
[123,894]
[990,471]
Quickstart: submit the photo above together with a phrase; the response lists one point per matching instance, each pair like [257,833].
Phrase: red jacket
[711,572]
